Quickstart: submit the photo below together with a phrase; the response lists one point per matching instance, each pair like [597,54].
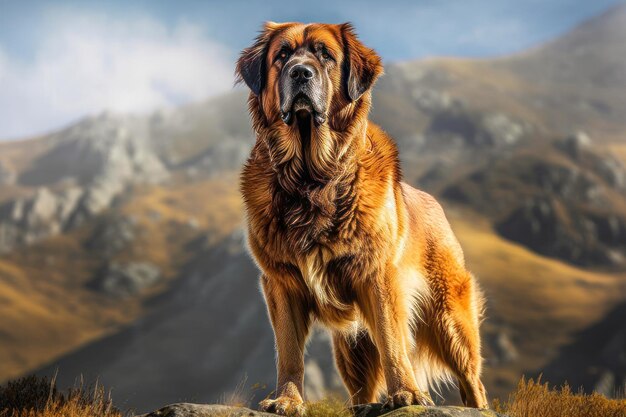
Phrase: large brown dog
[339,238]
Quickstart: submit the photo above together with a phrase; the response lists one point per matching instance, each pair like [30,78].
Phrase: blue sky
[62,60]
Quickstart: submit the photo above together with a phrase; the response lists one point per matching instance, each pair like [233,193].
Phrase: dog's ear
[361,65]
[251,63]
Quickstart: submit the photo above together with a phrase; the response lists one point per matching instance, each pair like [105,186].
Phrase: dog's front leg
[385,308]
[290,319]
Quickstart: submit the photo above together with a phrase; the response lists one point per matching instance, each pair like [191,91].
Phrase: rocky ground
[370,410]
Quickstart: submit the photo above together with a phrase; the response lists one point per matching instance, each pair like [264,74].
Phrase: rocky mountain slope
[123,256]
[519,137]
[211,323]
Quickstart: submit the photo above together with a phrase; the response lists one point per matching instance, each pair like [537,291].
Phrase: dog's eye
[326,56]
[283,54]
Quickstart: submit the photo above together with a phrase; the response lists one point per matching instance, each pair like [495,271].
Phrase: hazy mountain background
[122,251]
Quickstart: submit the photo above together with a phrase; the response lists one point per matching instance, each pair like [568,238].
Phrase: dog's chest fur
[320,247]
[315,214]
[329,286]
[314,270]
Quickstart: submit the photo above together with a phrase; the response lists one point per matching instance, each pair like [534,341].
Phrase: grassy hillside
[48,307]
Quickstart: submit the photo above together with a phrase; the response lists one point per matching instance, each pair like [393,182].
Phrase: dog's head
[307,72]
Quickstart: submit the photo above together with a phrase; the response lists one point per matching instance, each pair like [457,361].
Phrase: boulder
[378,410]
[462,127]
[575,144]
[205,410]
[29,219]
[579,147]
[99,196]
[501,129]
[367,410]
[429,100]
[612,171]
[112,234]
[124,280]
[321,374]
[41,209]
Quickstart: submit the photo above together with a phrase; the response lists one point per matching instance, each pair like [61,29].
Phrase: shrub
[534,399]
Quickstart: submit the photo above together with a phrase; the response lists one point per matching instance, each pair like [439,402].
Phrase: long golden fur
[342,241]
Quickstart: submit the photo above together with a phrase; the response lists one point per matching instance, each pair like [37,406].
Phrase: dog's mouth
[303,110]
[303,119]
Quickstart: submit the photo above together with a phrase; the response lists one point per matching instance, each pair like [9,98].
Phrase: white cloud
[88,64]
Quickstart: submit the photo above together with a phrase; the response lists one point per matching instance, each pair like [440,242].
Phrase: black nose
[301,72]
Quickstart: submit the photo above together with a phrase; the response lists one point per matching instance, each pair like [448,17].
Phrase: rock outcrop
[368,410]
[553,228]
[85,169]
[103,149]
[461,126]
[579,148]
[112,234]
[565,201]
[29,219]
[123,280]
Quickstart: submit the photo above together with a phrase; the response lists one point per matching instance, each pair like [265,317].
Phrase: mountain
[586,73]
[532,140]
[575,82]
[123,257]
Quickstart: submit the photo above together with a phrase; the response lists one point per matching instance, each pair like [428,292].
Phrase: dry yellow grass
[534,399]
[38,397]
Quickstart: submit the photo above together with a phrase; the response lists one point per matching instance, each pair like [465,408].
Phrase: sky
[63,60]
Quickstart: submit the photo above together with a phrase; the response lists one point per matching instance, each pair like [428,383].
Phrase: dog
[337,235]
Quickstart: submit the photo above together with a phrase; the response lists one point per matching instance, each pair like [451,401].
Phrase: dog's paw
[403,398]
[284,406]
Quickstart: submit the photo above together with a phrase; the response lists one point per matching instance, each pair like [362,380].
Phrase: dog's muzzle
[302,89]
